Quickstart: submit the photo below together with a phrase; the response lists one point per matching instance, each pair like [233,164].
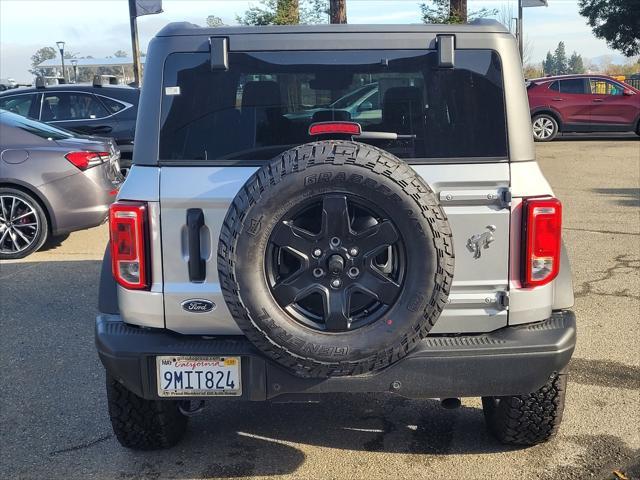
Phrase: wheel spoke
[4,209]
[374,239]
[294,288]
[14,241]
[4,235]
[335,216]
[298,240]
[13,208]
[336,307]
[30,212]
[21,235]
[375,283]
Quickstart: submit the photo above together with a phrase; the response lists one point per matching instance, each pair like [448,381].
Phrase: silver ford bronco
[321,209]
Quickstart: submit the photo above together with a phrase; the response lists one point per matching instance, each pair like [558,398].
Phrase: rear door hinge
[498,196]
[496,300]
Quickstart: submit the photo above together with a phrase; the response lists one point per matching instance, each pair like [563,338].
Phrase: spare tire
[335,259]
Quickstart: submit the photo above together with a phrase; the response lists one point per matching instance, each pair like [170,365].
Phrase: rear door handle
[101,129]
[557,99]
[598,100]
[197,267]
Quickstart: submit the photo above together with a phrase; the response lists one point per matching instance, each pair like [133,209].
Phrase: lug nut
[318,272]
[354,272]
[335,283]
[317,253]
[353,251]
[335,241]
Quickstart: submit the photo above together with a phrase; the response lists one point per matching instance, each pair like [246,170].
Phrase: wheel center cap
[336,264]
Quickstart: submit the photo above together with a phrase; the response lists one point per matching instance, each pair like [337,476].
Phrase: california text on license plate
[199,376]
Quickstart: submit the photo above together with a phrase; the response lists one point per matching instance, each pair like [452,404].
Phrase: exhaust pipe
[450,403]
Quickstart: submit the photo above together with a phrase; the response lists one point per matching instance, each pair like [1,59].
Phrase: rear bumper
[509,361]
[81,200]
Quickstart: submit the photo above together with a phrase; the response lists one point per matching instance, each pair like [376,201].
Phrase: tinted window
[572,86]
[266,101]
[42,130]
[20,104]
[71,106]
[112,105]
[604,87]
[554,86]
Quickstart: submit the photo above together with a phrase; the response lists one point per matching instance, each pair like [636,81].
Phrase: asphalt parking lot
[53,416]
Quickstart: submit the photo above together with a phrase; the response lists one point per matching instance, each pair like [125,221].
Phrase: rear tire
[337,181]
[142,424]
[545,127]
[24,230]
[527,419]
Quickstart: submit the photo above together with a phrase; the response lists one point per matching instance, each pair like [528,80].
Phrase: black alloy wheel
[336,263]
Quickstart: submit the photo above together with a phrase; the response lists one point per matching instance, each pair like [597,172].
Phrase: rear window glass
[39,129]
[112,105]
[266,101]
[572,86]
[20,104]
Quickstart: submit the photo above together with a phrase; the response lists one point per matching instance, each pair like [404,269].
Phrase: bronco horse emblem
[481,241]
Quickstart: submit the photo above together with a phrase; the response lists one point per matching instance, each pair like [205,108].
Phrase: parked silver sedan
[51,182]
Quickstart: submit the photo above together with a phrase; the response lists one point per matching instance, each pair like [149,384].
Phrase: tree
[338,11]
[560,60]
[120,54]
[451,11]
[285,12]
[42,54]
[616,21]
[272,12]
[575,64]
[213,21]
[549,65]
[532,71]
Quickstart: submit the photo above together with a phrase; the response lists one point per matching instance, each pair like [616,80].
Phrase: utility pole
[338,11]
[60,45]
[520,33]
[458,9]
[137,8]
[135,44]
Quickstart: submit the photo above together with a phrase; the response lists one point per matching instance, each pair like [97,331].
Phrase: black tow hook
[450,403]
[191,408]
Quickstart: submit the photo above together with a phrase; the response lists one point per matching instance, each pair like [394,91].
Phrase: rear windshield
[266,101]
[39,129]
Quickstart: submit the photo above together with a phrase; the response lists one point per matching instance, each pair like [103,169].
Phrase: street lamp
[60,45]
[74,62]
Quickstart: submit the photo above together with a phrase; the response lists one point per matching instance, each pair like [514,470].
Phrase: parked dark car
[51,183]
[105,110]
[582,103]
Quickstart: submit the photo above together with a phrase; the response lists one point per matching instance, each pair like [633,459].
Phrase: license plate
[198,376]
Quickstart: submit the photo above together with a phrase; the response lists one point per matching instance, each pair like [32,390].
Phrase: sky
[101,27]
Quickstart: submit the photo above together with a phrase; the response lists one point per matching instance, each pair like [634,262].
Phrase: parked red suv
[582,103]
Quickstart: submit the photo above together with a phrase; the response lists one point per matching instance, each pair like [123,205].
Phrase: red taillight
[127,225]
[543,235]
[324,128]
[84,160]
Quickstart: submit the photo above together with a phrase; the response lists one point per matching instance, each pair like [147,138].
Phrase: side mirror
[628,91]
[365,107]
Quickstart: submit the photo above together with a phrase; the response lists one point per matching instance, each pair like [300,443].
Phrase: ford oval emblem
[198,305]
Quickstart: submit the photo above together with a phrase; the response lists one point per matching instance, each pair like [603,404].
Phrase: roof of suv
[569,77]
[189,29]
[117,91]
